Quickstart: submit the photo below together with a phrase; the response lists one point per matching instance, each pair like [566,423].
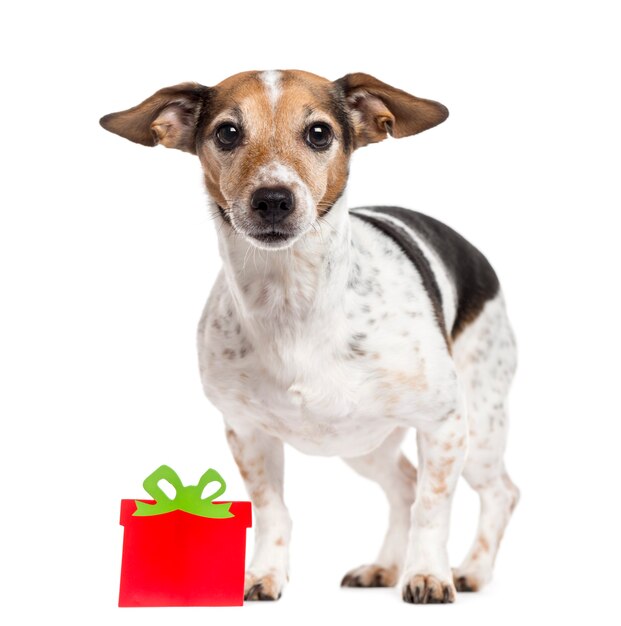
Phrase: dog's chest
[318,399]
[337,381]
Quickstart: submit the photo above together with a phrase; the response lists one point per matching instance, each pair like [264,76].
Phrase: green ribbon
[189,499]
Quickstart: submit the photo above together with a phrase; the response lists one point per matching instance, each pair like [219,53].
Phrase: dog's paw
[371,576]
[468,580]
[427,589]
[265,586]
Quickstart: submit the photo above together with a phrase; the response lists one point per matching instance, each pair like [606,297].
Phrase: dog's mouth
[276,235]
[271,239]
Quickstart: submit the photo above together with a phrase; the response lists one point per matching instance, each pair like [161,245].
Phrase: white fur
[271,80]
[447,289]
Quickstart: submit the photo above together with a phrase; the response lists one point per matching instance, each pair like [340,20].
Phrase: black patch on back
[473,277]
[412,250]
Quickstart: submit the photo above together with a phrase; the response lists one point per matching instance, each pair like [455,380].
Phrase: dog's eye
[227,136]
[319,136]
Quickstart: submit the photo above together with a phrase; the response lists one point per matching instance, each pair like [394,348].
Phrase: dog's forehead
[272,90]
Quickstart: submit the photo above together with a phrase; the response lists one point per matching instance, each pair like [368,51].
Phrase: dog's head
[275,146]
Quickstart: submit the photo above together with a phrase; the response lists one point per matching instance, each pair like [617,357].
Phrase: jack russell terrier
[337,330]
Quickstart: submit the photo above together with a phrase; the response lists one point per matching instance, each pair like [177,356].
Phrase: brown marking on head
[379,110]
[283,129]
[280,541]
[273,112]
[170,117]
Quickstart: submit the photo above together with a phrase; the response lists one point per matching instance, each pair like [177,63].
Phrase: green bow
[188,499]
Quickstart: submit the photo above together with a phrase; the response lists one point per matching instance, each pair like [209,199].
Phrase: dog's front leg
[441,453]
[260,459]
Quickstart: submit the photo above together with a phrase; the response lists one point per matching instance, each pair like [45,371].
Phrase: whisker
[245,257]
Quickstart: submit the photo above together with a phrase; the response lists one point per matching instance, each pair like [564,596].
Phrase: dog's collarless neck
[289,283]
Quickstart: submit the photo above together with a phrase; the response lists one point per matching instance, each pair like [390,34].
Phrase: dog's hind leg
[485,358]
[397,476]
[498,497]
[260,459]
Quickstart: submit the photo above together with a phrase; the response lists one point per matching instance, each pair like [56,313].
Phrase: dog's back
[471,274]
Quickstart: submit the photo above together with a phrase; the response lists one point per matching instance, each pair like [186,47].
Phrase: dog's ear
[170,117]
[378,110]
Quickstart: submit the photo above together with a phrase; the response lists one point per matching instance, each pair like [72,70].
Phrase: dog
[337,330]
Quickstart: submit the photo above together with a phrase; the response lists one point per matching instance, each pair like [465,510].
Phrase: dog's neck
[285,292]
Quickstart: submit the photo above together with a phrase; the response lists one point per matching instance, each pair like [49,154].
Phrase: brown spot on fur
[439,472]
[391,379]
[407,469]
[439,488]
[515,492]
[371,576]
[237,449]
[422,589]
[261,588]
[280,541]
[258,496]
[466,583]
[482,546]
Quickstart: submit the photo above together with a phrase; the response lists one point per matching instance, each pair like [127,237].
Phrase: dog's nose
[273,203]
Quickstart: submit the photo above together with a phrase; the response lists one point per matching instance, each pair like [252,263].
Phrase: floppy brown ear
[377,109]
[170,117]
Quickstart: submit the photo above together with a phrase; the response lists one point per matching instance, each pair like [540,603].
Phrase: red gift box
[182,559]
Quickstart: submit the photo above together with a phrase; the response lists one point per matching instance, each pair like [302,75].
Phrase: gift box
[186,550]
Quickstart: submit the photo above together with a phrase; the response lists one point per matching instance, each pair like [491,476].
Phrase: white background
[107,255]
